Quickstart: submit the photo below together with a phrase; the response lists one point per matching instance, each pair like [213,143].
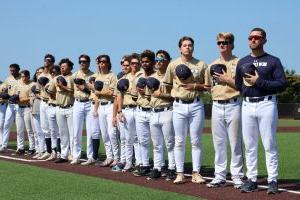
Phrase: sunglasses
[48,60]
[160,59]
[223,42]
[102,61]
[83,62]
[255,37]
[134,63]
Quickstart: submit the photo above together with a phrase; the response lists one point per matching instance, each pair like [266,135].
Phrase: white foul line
[188,175]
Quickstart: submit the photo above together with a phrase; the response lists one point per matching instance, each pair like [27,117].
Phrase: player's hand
[80,87]
[141,91]
[115,121]
[221,78]
[156,93]
[251,79]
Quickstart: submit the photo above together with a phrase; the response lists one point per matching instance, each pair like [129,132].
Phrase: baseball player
[106,100]
[63,88]
[127,115]
[82,105]
[185,78]
[9,88]
[52,109]
[93,128]
[161,124]
[35,114]
[42,85]
[23,114]
[3,106]
[143,113]
[123,86]
[226,112]
[259,76]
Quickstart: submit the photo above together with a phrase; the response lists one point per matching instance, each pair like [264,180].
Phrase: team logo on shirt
[260,64]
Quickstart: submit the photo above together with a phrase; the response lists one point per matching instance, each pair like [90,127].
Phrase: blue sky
[68,28]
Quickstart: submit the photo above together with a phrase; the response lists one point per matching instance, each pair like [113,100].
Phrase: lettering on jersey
[260,64]
[195,72]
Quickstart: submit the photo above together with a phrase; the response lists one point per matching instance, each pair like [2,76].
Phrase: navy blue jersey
[271,76]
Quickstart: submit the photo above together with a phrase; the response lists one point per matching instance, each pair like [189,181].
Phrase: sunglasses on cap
[255,37]
[226,42]
[160,59]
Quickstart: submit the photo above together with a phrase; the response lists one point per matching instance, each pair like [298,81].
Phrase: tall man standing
[259,76]
[185,78]
[9,87]
[226,112]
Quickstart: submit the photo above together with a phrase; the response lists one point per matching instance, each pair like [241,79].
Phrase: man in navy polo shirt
[259,86]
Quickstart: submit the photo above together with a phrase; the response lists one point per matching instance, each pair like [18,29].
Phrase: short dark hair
[135,56]
[15,65]
[107,59]
[84,56]
[68,61]
[25,72]
[34,78]
[185,38]
[56,68]
[148,54]
[51,57]
[262,31]
[166,54]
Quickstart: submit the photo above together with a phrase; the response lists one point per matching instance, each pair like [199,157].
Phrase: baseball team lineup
[154,99]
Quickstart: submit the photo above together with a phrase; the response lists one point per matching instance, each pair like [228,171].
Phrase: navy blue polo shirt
[271,76]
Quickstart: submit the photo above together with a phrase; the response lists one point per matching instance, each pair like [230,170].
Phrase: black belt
[162,109]
[226,101]
[27,106]
[93,102]
[258,99]
[105,103]
[3,103]
[144,109]
[68,106]
[52,104]
[82,100]
[129,106]
[187,101]
[44,100]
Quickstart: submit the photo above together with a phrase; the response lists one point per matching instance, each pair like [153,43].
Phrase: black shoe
[249,186]
[20,152]
[171,174]
[155,174]
[272,187]
[144,171]
[164,171]
[31,152]
[61,160]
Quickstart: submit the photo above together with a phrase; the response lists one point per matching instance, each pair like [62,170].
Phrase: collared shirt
[197,67]
[24,91]
[109,83]
[221,91]
[271,76]
[42,89]
[10,85]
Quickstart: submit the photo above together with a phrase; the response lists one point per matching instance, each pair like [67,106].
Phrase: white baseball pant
[142,122]
[260,117]
[65,126]
[162,132]
[53,127]
[188,118]
[2,119]
[80,112]
[108,134]
[39,134]
[226,123]
[92,130]
[10,116]
[23,121]
[44,119]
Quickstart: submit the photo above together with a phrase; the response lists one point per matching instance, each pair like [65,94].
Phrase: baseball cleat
[31,152]
[237,183]
[154,174]
[179,178]
[44,156]
[171,175]
[272,187]
[75,162]
[118,167]
[37,155]
[248,186]
[197,178]
[61,160]
[128,167]
[20,152]
[52,156]
[106,162]
[216,183]
[90,161]
[144,171]
[114,163]
[3,149]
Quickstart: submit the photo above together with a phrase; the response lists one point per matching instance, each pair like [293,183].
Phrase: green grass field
[24,182]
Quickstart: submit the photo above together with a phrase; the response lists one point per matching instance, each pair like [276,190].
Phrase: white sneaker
[70,157]
[179,178]
[197,178]
[58,155]
[90,161]
[216,183]
[106,162]
[52,156]
[37,155]
[44,156]
[75,162]
[237,183]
